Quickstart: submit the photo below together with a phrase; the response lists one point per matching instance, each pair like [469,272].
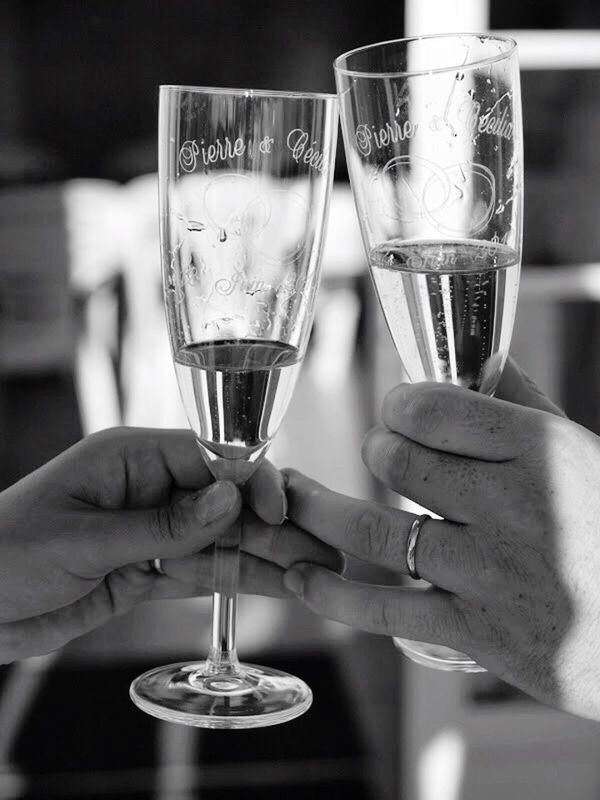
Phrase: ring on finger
[155,565]
[411,548]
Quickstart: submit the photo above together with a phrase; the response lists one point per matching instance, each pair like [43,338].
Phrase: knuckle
[426,410]
[484,569]
[381,615]
[107,437]
[125,588]
[487,587]
[552,434]
[482,633]
[370,532]
[473,625]
[503,568]
[492,579]
[485,566]
[277,546]
[166,524]
[562,431]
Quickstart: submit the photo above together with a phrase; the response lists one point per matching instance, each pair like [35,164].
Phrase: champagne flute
[433,138]
[244,184]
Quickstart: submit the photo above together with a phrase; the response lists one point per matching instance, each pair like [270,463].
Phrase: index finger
[132,467]
[374,532]
[265,493]
[427,616]
[460,421]
[178,453]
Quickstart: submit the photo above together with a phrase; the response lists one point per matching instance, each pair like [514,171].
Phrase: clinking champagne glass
[434,145]
[244,184]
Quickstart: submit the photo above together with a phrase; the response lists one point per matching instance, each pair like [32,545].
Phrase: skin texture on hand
[76,535]
[514,559]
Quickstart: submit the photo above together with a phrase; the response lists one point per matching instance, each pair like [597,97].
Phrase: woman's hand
[515,560]
[78,535]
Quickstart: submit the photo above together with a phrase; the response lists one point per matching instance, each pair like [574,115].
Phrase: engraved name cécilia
[494,120]
[302,149]
[298,142]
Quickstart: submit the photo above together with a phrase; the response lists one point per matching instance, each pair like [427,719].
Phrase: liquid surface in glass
[236,393]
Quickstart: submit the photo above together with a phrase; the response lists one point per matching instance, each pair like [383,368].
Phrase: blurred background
[83,346]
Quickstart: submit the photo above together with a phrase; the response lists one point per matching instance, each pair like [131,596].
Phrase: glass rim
[437,70]
[235,92]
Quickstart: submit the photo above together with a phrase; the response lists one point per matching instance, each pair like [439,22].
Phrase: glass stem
[222,657]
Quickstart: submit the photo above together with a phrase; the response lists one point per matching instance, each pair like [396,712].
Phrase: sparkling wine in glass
[433,138]
[244,184]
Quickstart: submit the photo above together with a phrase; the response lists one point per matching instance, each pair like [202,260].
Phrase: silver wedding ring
[156,565]
[411,548]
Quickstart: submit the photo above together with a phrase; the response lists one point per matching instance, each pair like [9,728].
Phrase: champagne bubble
[461,295]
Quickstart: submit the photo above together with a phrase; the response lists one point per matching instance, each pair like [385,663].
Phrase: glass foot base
[437,657]
[253,698]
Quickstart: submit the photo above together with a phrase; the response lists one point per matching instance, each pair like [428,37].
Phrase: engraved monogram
[412,188]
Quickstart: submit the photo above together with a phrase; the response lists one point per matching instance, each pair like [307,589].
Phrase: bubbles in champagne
[449,306]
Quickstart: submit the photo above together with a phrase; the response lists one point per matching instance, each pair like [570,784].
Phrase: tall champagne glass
[244,183]
[433,138]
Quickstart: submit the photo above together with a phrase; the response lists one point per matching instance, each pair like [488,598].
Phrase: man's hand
[76,536]
[513,561]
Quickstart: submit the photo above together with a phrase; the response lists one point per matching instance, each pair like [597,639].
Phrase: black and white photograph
[299,400]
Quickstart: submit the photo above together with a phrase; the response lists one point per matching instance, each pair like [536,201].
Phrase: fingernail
[334,561]
[217,501]
[284,504]
[340,567]
[396,395]
[294,581]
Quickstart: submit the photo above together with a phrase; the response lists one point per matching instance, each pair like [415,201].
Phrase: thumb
[173,531]
[517,387]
